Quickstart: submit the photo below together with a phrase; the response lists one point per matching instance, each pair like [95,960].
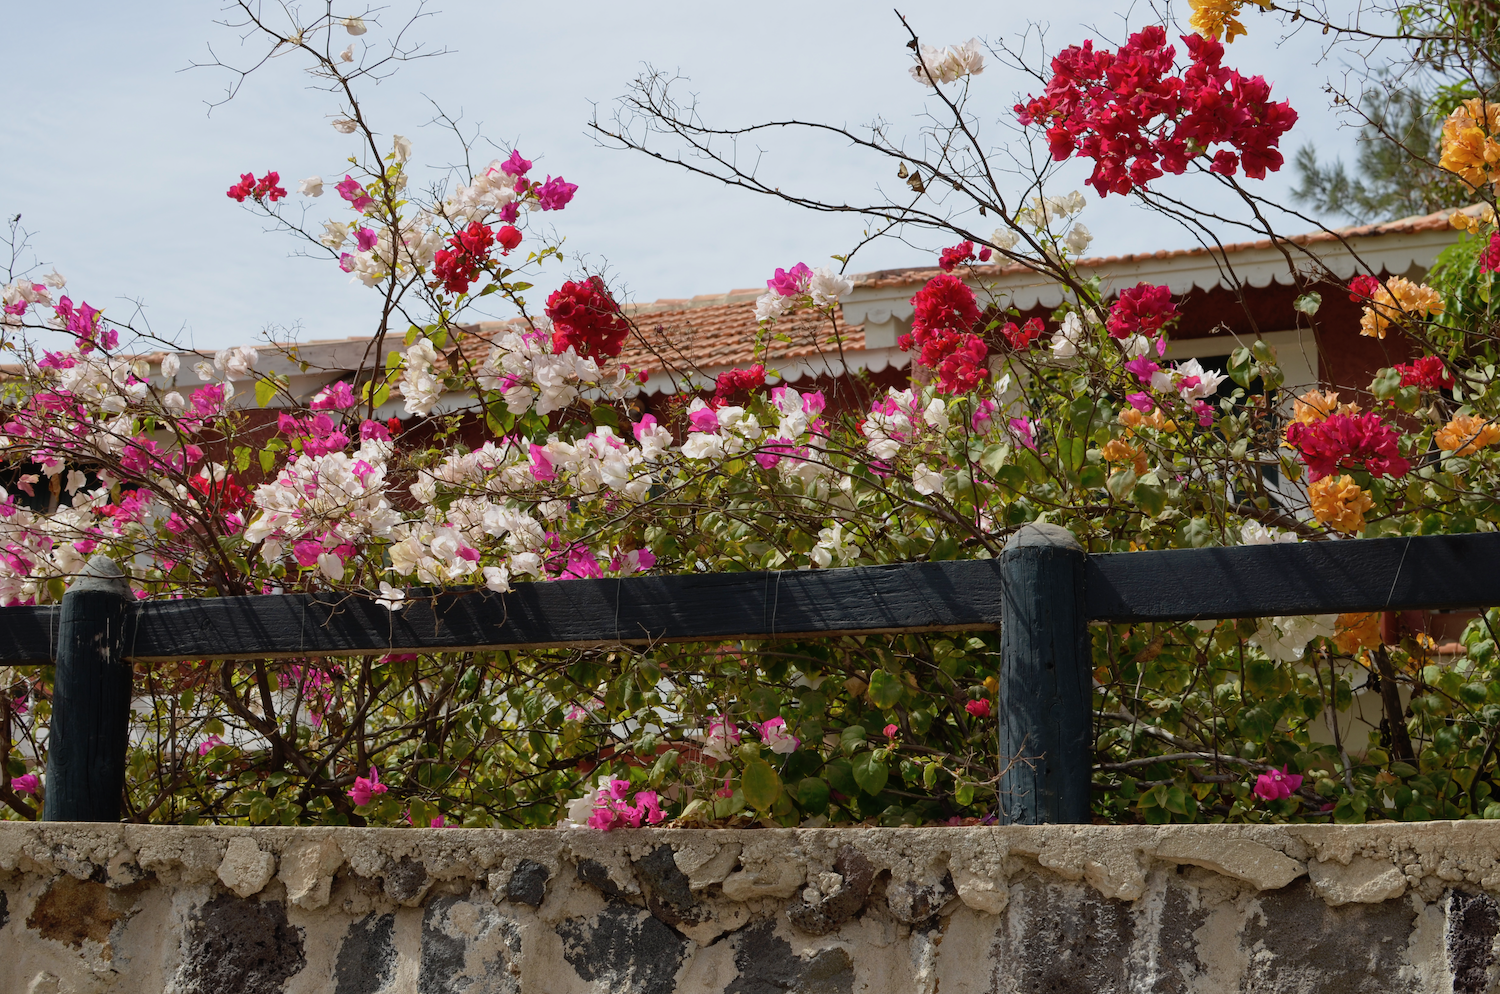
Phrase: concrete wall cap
[1040,534]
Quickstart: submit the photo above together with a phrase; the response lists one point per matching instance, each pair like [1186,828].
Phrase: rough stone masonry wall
[1388,908]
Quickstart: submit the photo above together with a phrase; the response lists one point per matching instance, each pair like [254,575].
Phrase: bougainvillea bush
[530,464]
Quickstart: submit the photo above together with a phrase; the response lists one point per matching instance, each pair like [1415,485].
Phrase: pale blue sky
[117,167]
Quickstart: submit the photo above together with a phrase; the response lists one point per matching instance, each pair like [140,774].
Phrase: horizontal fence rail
[1389,574]
[1042,591]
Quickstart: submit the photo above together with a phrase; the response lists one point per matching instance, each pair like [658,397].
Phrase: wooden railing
[1041,592]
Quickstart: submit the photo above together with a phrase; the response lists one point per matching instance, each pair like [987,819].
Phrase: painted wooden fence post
[1046,686]
[90,698]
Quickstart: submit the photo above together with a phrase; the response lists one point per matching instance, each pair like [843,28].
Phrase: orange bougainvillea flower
[1357,631]
[1119,450]
[1469,148]
[1397,301]
[1315,405]
[1131,418]
[1339,503]
[1466,434]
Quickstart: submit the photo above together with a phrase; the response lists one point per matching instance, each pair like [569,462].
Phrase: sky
[118,166]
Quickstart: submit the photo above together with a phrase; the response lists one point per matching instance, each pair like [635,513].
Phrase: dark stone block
[4,909]
[915,903]
[444,955]
[1473,922]
[845,902]
[528,883]
[239,946]
[1312,948]
[594,873]
[405,880]
[1064,939]
[367,956]
[624,949]
[767,965]
[667,892]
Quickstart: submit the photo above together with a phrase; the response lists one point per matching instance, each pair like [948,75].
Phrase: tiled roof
[679,336]
[718,331]
[1436,221]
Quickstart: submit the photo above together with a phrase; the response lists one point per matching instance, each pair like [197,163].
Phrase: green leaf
[993,459]
[665,764]
[812,795]
[242,457]
[885,690]
[265,391]
[267,460]
[1309,302]
[1242,367]
[605,415]
[870,772]
[840,774]
[964,794]
[1385,384]
[1150,499]
[851,739]
[1121,483]
[761,785]
[1074,451]
[1197,532]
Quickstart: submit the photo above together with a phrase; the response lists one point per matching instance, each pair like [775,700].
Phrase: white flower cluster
[523,368]
[419,242]
[1048,216]
[25,290]
[421,385]
[824,287]
[944,65]
[896,421]
[733,428]
[491,190]
[337,493]
[1189,379]
[1285,639]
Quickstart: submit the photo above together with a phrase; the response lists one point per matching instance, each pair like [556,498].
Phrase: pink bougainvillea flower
[207,745]
[365,239]
[773,732]
[1021,428]
[365,788]
[337,396]
[979,708]
[705,420]
[515,165]
[1277,784]
[541,464]
[351,190]
[555,193]
[984,415]
[24,784]
[721,737]
[891,731]
[791,282]
[1141,402]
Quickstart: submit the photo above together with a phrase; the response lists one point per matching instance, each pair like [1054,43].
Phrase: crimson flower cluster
[264,188]
[468,250]
[1362,288]
[586,318]
[1142,310]
[1489,259]
[1020,337]
[942,329]
[1428,372]
[736,385]
[1128,112]
[1343,441]
[956,255]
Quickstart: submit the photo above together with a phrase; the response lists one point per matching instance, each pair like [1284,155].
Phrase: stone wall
[1388,908]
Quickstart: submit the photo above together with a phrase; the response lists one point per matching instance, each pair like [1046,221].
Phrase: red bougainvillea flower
[587,319]
[460,264]
[265,188]
[1127,112]
[1362,288]
[942,329]
[979,708]
[1489,259]
[1342,441]
[955,256]
[508,237]
[1277,784]
[1428,372]
[1021,337]
[736,386]
[1142,310]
